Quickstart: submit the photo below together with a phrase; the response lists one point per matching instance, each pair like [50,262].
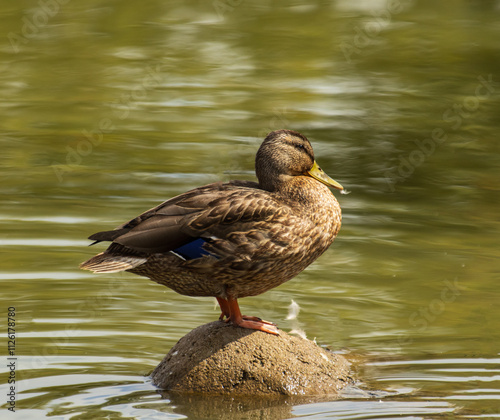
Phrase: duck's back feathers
[211,220]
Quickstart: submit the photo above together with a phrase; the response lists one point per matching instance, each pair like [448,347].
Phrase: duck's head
[285,154]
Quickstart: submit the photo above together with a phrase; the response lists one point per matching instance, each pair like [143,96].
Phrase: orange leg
[231,310]
[224,306]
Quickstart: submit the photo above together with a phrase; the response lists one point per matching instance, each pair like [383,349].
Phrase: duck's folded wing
[202,213]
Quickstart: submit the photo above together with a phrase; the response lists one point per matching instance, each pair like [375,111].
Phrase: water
[110,108]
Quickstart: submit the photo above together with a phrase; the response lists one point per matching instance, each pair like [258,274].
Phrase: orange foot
[231,311]
[256,325]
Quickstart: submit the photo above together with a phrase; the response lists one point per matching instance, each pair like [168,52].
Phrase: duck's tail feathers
[106,262]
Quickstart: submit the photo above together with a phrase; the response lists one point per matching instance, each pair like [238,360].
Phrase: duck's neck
[302,189]
[312,200]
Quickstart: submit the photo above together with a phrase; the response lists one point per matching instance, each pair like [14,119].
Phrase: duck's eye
[299,146]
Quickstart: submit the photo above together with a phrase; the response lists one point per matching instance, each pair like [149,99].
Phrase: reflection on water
[109,109]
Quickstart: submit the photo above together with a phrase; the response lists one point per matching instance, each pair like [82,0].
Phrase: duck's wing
[170,208]
[206,213]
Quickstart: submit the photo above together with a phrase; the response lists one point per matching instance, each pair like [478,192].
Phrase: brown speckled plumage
[256,235]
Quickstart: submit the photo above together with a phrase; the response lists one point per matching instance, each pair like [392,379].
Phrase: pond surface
[109,108]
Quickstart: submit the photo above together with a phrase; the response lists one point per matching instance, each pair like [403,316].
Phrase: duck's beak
[317,173]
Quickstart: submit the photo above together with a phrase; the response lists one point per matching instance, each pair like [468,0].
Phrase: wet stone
[219,358]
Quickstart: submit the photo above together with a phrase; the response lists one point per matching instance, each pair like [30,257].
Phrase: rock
[219,358]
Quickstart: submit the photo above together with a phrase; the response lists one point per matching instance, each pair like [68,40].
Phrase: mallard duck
[235,239]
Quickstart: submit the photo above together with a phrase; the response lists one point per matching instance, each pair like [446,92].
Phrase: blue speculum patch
[192,250]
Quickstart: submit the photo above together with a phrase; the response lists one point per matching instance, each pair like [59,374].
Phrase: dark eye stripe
[302,148]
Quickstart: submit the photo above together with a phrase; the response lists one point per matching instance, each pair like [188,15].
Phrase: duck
[234,239]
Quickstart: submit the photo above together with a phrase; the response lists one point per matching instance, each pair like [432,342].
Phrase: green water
[108,108]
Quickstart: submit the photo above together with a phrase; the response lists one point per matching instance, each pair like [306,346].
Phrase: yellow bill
[317,173]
